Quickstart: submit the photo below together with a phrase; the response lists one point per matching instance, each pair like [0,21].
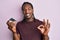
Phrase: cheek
[23,12]
[31,11]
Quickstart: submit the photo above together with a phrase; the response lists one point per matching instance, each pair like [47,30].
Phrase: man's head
[27,9]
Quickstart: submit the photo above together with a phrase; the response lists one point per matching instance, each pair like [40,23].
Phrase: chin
[28,17]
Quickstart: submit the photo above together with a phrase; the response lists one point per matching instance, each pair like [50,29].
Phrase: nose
[26,11]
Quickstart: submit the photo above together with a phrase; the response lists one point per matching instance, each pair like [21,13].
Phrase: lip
[27,14]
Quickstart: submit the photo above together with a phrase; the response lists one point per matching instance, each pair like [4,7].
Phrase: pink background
[43,9]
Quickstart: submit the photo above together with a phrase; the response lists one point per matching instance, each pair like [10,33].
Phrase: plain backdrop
[43,9]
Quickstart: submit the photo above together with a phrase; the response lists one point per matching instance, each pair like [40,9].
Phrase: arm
[12,27]
[16,36]
[45,37]
[44,29]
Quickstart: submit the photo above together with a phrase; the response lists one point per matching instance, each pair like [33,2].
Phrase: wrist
[14,32]
[46,37]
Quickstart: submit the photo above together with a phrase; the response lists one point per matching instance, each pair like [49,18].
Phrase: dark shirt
[28,30]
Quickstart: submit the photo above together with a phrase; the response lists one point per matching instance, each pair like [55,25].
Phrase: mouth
[27,14]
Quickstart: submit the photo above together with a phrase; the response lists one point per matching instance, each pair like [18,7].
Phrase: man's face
[27,11]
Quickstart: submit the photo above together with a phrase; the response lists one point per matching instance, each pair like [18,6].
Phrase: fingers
[11,24]
[10,28]
[46,23]
[7,22]
[40,27]
[44,28]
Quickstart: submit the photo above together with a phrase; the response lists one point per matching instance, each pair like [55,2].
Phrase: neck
[30,19]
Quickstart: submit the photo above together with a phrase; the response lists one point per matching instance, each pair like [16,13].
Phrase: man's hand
[12,26]
[44,28]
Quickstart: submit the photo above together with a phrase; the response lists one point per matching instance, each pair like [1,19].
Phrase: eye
[29,8]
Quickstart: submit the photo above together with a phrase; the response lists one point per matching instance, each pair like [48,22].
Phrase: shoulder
[39,21]
[18,23]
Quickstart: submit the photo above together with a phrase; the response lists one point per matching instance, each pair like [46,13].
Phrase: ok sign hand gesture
[44,28]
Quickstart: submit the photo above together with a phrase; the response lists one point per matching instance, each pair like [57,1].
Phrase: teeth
[28,14]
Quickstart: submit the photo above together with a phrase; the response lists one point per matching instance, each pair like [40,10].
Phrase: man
[29,28]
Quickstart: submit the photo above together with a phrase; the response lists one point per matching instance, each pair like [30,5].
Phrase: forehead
[27,6]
